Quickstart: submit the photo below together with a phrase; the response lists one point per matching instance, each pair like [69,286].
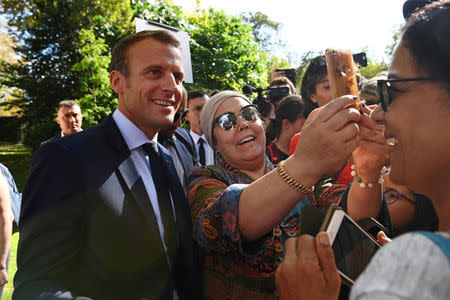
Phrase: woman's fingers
[334,106]
[382,238]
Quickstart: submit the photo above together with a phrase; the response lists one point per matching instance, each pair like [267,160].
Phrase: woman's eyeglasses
[180,114]
[384,89]
[228,121]
[393,196]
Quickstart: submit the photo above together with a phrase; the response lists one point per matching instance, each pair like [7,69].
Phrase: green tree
[390,48]
[98,99]
[48,35]
[224,52]
[372,68]
[8,95]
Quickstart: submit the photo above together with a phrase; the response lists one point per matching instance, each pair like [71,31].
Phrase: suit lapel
[183,219]
[133,181]
[129,173]
[185,159]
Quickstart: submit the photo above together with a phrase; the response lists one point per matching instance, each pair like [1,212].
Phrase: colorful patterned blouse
[233,268]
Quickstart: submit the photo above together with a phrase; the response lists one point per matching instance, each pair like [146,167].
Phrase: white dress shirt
[135,138]
[209,152]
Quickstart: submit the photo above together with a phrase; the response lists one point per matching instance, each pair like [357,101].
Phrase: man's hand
[308,270]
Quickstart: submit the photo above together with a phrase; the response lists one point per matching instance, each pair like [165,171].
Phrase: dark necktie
[201,151]
[160,178]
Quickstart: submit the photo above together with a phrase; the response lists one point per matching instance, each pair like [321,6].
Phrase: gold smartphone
[342,74]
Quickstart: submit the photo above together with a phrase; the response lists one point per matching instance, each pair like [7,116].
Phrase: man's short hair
[199,93]
[118,57]
[67,103]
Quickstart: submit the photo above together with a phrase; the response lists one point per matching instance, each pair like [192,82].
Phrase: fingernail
[323,239]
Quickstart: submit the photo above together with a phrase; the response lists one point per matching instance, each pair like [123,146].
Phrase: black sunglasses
[180,114]
[384,89]
[228,121]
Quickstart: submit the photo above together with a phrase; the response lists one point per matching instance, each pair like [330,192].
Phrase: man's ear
[58,118]
[117,81]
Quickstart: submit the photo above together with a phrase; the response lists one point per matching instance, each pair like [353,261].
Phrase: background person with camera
[289,120]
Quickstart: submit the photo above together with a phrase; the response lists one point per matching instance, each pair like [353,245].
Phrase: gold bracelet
[291,181]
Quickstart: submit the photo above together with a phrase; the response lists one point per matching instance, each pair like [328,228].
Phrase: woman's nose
[241,122]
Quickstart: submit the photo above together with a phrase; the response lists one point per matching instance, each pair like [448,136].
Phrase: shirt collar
[196,137]
[133,136]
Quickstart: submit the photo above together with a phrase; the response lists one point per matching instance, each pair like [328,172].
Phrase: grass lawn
[17,158]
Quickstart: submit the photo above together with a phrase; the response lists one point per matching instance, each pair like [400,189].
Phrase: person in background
[315,88]
[415,265]
[369,90]
[180,144]
[282,82]
[7,195]
[196,101]
[266,107]
[289,120]
[69,119]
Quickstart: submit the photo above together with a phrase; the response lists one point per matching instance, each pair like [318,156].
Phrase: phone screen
[352,249]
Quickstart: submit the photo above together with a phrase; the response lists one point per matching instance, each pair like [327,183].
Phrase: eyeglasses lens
[249,113]
[228,121]
[391,196]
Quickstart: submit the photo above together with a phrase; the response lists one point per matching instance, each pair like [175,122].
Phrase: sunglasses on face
[228,121]
[384,89]
[179,114]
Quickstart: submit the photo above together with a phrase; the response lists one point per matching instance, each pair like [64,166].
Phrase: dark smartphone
[290,74]
[353,247]
[360,59]
[276,93]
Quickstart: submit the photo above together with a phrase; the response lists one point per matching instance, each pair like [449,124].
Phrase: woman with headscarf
[243,210]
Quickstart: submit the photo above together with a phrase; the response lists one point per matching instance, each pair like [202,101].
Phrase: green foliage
[65,46]
[390,48]
[98,100]
[162,12]
[372,69]
[49,46]
[224,53]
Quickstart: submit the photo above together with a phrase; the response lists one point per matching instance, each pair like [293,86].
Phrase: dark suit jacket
[88,229]
[51,139]
[186,152]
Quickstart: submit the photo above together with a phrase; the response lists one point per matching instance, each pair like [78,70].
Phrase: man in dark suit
[69,118]
[97,222]
[180,145]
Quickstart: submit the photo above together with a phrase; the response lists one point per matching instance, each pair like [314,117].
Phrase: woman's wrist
[366,180]
[303,172]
